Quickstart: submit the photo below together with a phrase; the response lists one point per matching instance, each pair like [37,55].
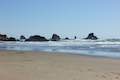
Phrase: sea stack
[22,38]
[91,36]
[55,37]
[67,38]
[3,37]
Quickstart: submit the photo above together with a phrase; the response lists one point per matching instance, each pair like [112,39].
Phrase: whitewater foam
[87,47]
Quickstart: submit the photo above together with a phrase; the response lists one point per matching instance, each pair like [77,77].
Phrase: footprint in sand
[113,75]
[116,77]
[109,76]
[81,71]
[90,69]
[116,73]
[103,76]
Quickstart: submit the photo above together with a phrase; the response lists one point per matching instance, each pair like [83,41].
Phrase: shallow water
[85,47]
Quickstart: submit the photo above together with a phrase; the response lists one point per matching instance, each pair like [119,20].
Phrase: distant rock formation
[36,38]
[55,37]
[11,39]
[3,37]
[22,38]
[91,36]
[75,37]
[67,38]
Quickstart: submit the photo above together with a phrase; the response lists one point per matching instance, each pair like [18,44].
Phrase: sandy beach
[16,65]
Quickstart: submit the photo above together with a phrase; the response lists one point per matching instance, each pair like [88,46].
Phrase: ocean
[105,48]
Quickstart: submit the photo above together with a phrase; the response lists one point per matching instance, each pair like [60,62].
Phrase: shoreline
[64,53]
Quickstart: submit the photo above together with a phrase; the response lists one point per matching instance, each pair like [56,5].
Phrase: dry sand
[45,66]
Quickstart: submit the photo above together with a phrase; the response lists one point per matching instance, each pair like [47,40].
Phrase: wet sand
[16,65]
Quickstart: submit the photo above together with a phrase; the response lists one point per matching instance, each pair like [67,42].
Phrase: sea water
[105,48]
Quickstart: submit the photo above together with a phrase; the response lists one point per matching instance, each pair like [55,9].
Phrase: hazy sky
[64,17]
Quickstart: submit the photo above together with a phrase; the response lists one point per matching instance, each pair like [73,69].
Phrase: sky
[67,18]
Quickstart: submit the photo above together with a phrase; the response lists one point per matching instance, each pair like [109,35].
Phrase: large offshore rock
[91,36]
[36,38]
[3,37]
[55,37]
[22,38]
[11,39]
